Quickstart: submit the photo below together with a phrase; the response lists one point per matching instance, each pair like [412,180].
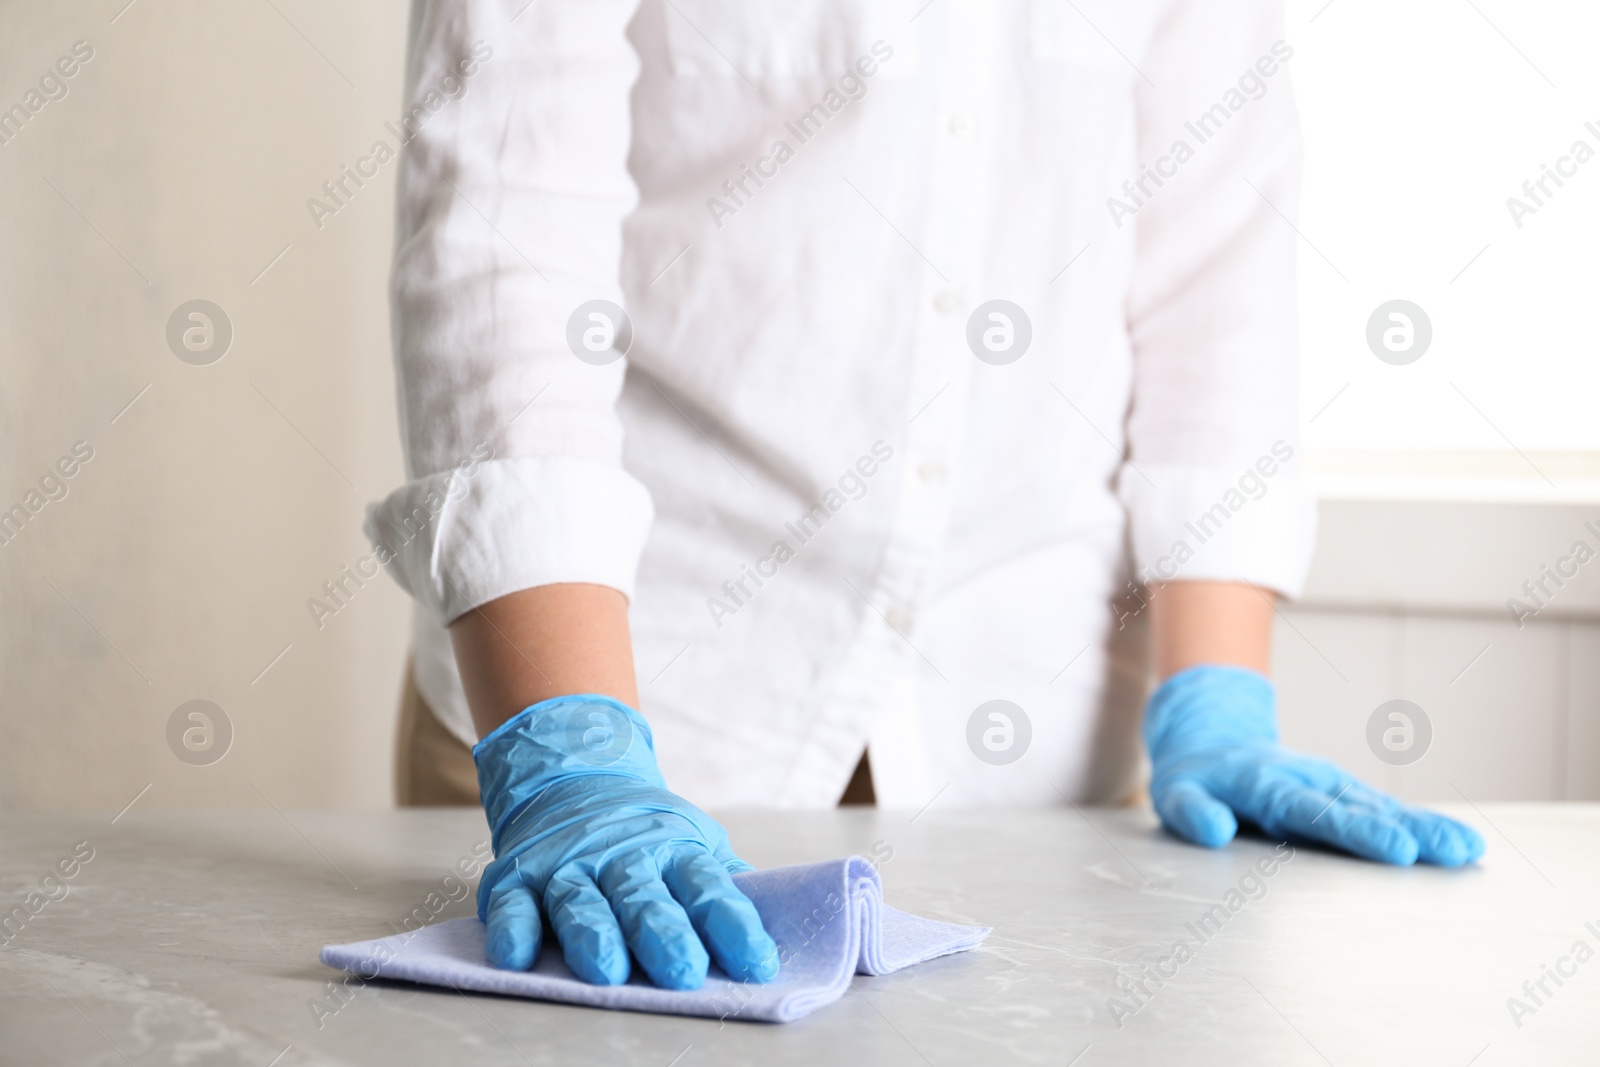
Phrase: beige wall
[180,562]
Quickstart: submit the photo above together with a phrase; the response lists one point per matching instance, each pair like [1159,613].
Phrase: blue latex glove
[1215,759]
[584,826]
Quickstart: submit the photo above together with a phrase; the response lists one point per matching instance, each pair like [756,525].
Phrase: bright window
[1421,120]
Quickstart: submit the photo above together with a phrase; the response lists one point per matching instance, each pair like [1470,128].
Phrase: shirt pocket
[1093,35]
[766,41]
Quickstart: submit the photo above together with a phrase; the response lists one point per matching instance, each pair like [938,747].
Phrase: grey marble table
[192,939]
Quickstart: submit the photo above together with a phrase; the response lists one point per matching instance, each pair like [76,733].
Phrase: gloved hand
[1215,759]
[584,826]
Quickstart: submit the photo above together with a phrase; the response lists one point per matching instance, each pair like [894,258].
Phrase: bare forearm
[1228,623]
[550,641]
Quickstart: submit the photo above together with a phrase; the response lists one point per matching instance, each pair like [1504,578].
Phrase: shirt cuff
[1221,524]
[463,537]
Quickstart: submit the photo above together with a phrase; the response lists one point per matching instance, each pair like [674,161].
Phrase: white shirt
[800,347]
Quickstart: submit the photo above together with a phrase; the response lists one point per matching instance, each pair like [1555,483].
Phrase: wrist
[1210,703]
[558,739]
[1200,622]
[542,643]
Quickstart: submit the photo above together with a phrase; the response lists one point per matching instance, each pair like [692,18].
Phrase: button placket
[952,240]
[877,688]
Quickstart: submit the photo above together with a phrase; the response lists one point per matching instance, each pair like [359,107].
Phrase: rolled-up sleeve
[512,187]
[1213,486]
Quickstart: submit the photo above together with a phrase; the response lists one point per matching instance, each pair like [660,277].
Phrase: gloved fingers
[1193,814]
[1286,808]
[514,927]
[1326,777]
[653,923]
[1355,793]
[724,916]
[1442,840]
[591,941]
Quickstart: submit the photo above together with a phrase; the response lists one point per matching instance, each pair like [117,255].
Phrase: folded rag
[829,920]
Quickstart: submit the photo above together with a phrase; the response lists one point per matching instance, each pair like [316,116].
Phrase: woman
[957,361]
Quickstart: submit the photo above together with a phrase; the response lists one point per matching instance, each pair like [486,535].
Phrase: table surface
[193,938]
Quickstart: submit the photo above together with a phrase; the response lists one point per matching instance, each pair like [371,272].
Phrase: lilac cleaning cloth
[829,920]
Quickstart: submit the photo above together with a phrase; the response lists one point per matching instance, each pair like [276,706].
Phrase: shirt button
[961,125]
[947,302]
[900,619]
[931,470]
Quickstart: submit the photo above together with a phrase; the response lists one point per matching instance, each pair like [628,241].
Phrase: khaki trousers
[432,768]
